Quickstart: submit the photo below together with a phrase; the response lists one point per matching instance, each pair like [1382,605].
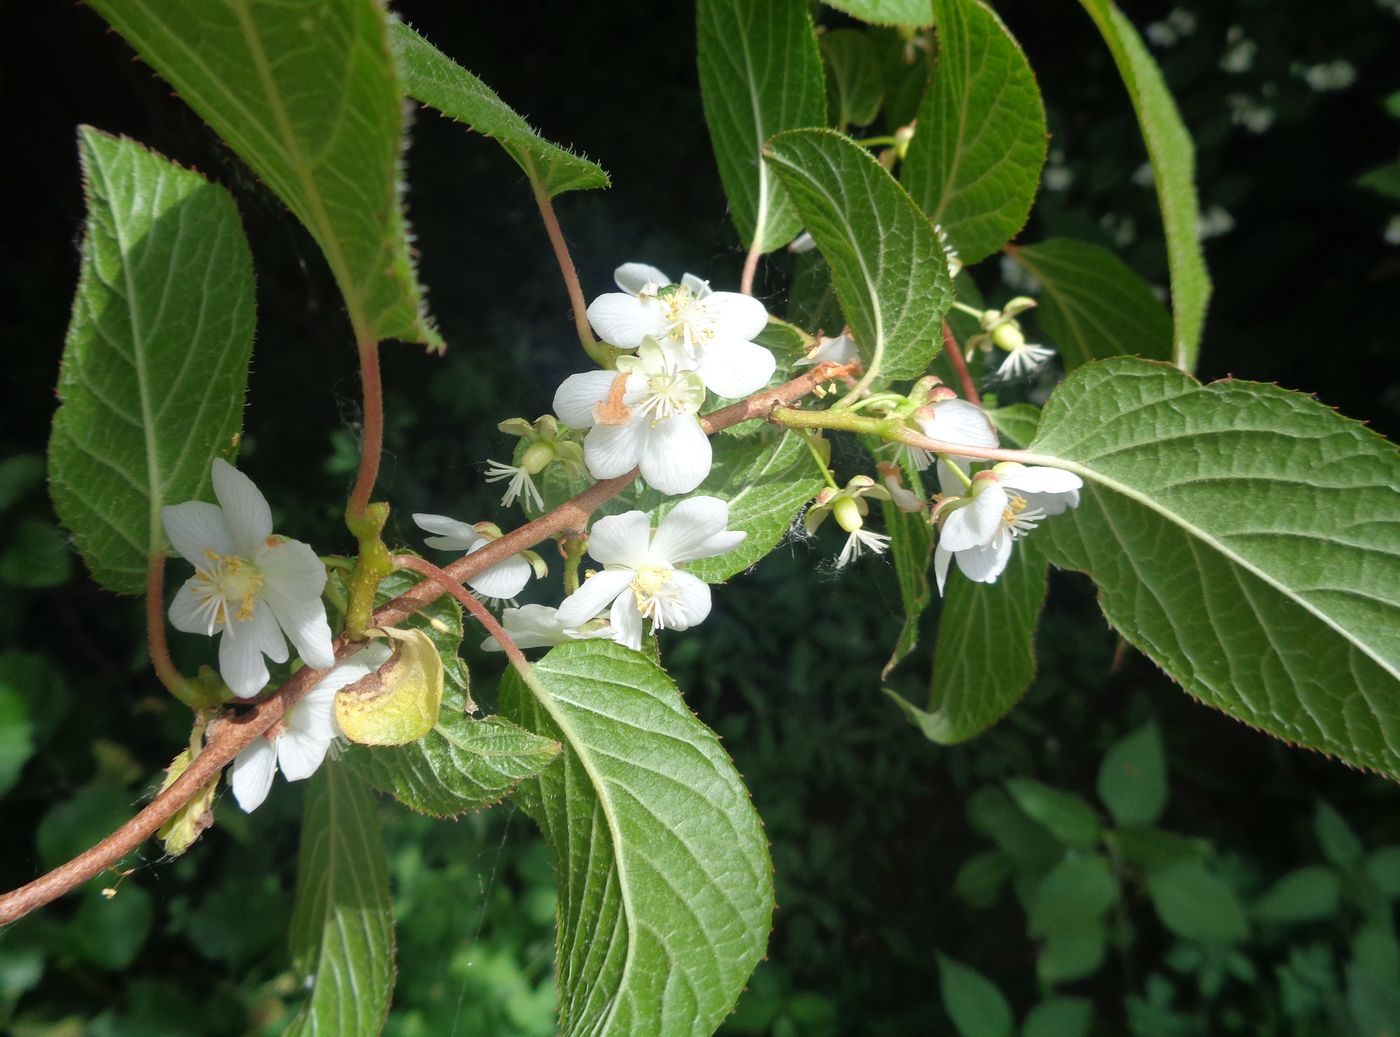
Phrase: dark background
[866,817]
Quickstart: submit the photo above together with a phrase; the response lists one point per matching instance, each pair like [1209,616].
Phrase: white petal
[941,557]
[699,287]
[291,568]
[241,663]
[732,367]
[621,539]
[299,755]
[624,320]
[504,580]
[974,525]
[452,534]
[251,776]
[985,564]
[676,455]
[735,316]
[694,528]
[1050,489]
[948,483]
[691,605]
[186,612]
[574,400]
[613,450]
[633,277]
[195,527]
[531,626]
[304,620]
[627,620]
[593,596]
[957,421]
[265,630]
[245,508]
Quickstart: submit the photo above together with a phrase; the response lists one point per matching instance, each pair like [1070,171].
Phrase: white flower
[850,508]
[299,742]
[951,420]
[502,581]
[248,582]
[521,485]
[714,329]
[838,350]
[639,576]
[644,415]
[1005,503]
[538,626]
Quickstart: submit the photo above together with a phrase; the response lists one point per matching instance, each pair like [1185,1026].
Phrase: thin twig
[166,670]
[566,265]
[475,607]
[746,279]
[372,440]
[955,357]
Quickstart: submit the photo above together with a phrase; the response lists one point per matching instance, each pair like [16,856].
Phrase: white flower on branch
[538,626]
[640,578]
[502,581]
[643,414]
[545,444]
[249,583]
[714,330]
[850,508]
[951,420]
[1000,328]
[299,742]
[1003,504]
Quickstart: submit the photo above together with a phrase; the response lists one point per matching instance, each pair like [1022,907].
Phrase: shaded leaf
[855,83]
[1060,1017]
[911,550]
[886,12]
[1196,905]
[1304,895]
[977,1007]
[1073,953]
[1078,890]
[1133,778]
[1066,815]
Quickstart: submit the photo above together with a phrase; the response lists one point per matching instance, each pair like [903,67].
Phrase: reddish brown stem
[475,607]
[165,668]
[373,431]
[955,357]
[228,737]
[566,266]
[746,279]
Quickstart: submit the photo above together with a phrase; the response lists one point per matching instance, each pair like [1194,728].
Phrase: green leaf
[980,880]
[1305,895]
[307,94]
[1383,869]
[766,483]
[908,66]
[1067,816]
[1196,905]
[1078,890]
[35,556]
[977,1007]
[19,475]
[889,270]
[1092,305]
[1060,1017]
[665,883]
[156,359]
[1133,778]
[886,12]
[1383,180]
[1174,168]
[1073,954]
[855,83]
[1017,423]
[16,737]
[1028,843]
[1153,849]
[1339,843]
[984,659]
[110,931]
[760,73]
[911,549]
[342,927]
[76,824]
[431,77]
[1245,539]
[976,156]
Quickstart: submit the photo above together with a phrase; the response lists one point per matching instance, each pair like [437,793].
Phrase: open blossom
[849,508]
[951,420]
[714,330]
[538,626]
[1000,328]
[1003,504]
[298,743]
[640,577]
[250,584]
[643,414]
[502,581]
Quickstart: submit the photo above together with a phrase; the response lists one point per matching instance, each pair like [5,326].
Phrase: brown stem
[746,279]
[373,438]
[475,607]
[166,670]
[566,266]
[230,736]
[955,357]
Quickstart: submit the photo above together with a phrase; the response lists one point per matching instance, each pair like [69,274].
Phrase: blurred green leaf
[1060,1017]
[888,268]
[19,475]
[975,160]
[908,67]
[34,679]
[760,73]
[308,96]
[1339,843]
[1092,304]
[981,878]
[855,83]
[1078,890]
[156,360]
[1133,778]
[1373,1003]
[886,12]
[1305,895]
[36,556]
[977,1007]
[1017,423]
[1173,158]
[1066,815]
[1152,849]
[109,932]
[81,821]
[911,550]
[993,813]
[1197,905]
[342,928]
[1383,180]
[1383,869]
[665,883]
[1072,954]
[433,78]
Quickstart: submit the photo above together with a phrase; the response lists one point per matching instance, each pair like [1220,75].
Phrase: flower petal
[624,320]
[613,450]
[948,483]
[574,400]
[300,754]
[957,421]
[941,557]
[633,277]
[593,596]
[251,775]
[1050,489]
[187,613]
[504,580]
[735,316]
[699,287]
[245,508]
[732,367]
[691,604]
[694,528]
[291,568]
[626,619]
[241,662]
[531,626]
[974,525]
[985,564]
[304,620]
[621,539]
[195,527]
[452,534]
[676,455]
[266,631]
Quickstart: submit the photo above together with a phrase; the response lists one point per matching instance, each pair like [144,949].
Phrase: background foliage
[872,827]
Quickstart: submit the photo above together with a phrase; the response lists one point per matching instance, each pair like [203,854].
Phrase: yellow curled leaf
[189,822]
[400,703]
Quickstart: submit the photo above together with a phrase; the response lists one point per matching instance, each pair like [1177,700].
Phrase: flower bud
[847,513]
[537,456]
[1008,337]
